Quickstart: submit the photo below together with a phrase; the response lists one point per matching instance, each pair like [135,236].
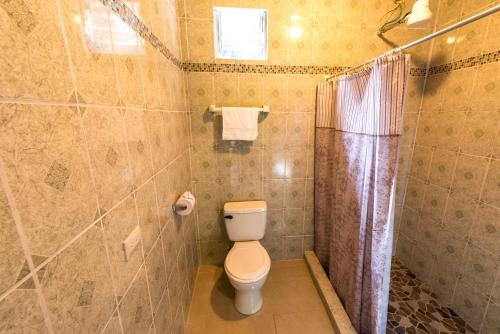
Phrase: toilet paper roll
[185,204]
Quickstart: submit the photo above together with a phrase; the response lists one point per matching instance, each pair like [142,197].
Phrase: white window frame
[219,49]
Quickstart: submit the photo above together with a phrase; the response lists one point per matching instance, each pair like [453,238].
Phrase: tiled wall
[278,166]
[449,231]
[91,146]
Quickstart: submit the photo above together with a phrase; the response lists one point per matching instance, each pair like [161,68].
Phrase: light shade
[420,14]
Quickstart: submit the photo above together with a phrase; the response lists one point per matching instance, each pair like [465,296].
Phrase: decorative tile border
[418,72]
[129,17]
[276,69]
[265,69]
[486,58]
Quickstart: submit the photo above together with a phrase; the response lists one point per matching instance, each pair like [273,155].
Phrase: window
[97,23]
[240,33]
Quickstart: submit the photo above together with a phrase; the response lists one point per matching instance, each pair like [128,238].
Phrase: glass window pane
[240,33]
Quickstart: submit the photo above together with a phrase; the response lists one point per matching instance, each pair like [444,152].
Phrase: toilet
[247,264]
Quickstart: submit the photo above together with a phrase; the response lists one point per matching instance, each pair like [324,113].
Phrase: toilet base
[248,302]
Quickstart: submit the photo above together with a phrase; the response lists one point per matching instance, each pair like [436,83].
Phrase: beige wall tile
[138,145]
[135,307]
[469,175]
[12,256]
[443,283]
[274,246]
[460,212]
[491,320]
[422,263]
[479,268]
[169,239]
[294,222]
[293,247]
[486,228]
[470,40]
[157,139]
[34,62]
[294,193]
[277,41]
[106,141]
[47,152]
[491,190]
[200,40]
[117,225]
[43,149]
[128,70]
[163,315]
[250,90]
[20,310]
[434,202]
[199,9]
[150,77]
[480,132]
[157,276]
[470,304]
[449,11]
[95,72]
[420,162]
[442,167]
[113,326]
[147,212]
[485,92]
[77,286]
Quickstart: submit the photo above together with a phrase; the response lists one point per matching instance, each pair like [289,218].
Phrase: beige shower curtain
[358,125]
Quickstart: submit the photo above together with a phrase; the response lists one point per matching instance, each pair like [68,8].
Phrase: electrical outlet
[130,244]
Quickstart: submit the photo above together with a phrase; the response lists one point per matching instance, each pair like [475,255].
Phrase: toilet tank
[245,220]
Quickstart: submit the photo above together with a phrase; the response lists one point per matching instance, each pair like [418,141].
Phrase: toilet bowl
[247,266]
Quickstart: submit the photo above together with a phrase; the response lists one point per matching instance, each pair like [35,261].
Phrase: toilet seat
[247,262]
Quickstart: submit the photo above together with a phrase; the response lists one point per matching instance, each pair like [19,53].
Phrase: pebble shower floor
[415,309]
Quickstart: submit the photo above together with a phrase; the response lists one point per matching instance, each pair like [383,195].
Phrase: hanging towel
[239,123]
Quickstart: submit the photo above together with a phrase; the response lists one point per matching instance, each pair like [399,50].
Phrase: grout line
[91,225]
[24,244]
[108,260]
[12,288]
[82,105]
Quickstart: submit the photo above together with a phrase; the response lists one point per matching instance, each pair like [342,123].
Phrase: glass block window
[240,33]
[105,32]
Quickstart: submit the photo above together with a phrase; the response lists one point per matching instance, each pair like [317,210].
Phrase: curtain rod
[443,31]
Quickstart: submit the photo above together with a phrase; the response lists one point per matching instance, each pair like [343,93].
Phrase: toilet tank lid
[245,207]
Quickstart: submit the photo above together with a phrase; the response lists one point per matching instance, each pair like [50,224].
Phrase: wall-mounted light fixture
[419,16]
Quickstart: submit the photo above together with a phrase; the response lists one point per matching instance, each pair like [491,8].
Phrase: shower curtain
[358,126]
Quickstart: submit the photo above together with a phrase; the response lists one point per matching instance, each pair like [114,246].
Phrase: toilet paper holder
[177,207]
[184,205]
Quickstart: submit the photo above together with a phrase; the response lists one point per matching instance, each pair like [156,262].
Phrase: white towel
[239,123]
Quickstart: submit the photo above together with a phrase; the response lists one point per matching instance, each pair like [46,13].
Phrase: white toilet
[247,264]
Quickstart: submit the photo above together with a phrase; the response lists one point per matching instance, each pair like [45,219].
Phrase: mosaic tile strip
[129,17]
[486,58]
[418,71]
[414,309]
[265,69]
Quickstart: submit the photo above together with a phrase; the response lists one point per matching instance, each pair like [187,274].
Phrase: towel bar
[214,109]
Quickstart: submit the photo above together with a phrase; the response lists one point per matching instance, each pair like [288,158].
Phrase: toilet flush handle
[228,217]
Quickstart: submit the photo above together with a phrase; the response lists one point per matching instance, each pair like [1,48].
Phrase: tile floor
[415,309]
[292,304]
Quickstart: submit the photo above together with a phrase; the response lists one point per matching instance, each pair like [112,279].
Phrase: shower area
[444,275]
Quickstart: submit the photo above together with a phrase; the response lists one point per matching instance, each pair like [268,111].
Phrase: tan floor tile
[288,291]
[256,324]
[316,322]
